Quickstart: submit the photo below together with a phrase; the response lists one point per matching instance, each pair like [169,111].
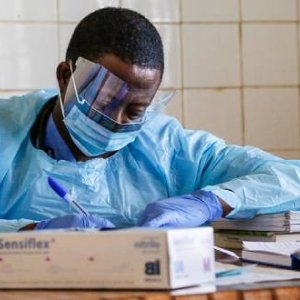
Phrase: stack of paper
[281,227]
[234,239]
[285,222]
[278,254]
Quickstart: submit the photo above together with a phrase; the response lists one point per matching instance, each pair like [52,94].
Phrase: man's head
[122,32]
[116,38]
[126,45]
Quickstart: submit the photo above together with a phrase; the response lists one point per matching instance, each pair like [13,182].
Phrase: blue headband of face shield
[103,97]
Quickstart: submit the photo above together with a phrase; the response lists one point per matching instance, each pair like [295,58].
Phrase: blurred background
[234,63]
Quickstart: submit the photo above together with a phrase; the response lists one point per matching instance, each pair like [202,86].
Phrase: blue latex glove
[182,211]
[75,221]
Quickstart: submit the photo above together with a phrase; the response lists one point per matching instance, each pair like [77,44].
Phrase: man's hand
[75,221]
[183,211]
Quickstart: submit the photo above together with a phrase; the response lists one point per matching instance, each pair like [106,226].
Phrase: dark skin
[142,78]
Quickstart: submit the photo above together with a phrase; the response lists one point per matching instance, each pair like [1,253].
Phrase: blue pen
[63,193]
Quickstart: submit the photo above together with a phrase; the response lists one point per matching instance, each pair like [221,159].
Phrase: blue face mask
[93,139]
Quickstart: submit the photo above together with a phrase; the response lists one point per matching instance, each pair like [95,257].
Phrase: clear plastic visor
[105,98]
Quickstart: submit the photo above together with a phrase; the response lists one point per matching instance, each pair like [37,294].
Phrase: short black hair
[120,31]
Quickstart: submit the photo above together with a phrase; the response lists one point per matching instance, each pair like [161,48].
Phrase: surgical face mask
[93,139]
[93,98]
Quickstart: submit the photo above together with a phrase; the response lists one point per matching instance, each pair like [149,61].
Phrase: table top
[281,293]
[290,292]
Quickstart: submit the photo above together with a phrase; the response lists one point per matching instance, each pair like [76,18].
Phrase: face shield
[103,97]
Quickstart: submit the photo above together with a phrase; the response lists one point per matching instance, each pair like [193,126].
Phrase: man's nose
[119,116]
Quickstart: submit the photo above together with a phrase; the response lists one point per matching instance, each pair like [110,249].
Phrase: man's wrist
[225,207]
[30,226]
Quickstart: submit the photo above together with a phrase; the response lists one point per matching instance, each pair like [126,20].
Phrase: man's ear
[63,74]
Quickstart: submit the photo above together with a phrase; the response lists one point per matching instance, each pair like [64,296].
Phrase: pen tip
[60,190]
[50,180]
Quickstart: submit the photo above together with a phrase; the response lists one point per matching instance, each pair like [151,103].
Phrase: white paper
[205,288]
[283,248]
[256,274]
[230,253]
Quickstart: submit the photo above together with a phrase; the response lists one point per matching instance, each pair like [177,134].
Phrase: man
[101,137]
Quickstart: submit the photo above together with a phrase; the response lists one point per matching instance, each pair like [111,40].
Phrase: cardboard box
[137,258]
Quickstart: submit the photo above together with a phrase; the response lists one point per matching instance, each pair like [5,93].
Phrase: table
[290,292]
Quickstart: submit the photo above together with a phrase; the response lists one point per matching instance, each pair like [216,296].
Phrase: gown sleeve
[13,225]
[249,179]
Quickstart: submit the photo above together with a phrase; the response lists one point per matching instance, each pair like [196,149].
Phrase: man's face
[143,84]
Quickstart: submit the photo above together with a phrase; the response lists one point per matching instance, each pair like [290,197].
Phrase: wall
[234,63]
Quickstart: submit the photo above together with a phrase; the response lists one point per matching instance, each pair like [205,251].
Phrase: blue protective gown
[165,160]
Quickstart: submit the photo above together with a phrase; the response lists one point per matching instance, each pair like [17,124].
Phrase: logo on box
[152,267]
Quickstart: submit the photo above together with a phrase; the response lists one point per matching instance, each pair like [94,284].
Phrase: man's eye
[134,114]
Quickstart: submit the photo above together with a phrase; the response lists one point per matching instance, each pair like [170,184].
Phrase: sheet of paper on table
[253,274]
[204,288]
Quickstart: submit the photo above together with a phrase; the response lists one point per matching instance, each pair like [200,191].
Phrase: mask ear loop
[74,85]
[60,102]
[75,90]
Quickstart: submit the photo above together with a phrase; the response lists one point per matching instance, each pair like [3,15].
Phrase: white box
[137,258]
